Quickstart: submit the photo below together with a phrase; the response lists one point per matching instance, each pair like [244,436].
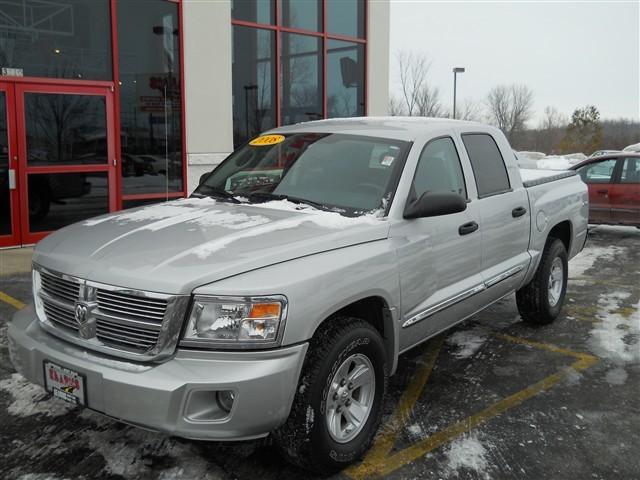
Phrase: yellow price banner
[266,140]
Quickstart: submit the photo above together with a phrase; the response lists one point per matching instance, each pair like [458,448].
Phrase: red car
[614,188]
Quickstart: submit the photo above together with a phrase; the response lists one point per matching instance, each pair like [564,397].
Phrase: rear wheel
[541,300]
[338,403]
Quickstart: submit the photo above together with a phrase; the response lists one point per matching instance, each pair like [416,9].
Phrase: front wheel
[541,300]
[338,403]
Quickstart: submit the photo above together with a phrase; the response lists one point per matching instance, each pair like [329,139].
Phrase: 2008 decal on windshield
[266,140]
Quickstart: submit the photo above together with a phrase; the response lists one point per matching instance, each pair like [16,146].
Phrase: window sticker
[266,140]
[387,160]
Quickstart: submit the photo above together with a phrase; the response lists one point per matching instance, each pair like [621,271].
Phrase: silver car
[277,299]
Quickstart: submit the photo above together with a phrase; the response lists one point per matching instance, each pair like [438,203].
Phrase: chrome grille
[60,288]
[129,306]
[134,323]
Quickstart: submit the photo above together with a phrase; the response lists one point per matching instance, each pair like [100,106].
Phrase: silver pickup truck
[278,297]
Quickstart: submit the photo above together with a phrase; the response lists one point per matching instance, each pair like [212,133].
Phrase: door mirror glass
[433,204]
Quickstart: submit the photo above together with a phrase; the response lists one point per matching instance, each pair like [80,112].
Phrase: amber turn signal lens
[265,310]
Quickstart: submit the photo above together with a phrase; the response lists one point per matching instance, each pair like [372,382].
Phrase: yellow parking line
[14,302]
[385,441]
[380,464]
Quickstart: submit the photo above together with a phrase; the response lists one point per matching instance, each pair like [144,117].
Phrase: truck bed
[533,177]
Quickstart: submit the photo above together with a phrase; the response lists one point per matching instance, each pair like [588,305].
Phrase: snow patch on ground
[30,399]
[126,450]
[468,453]
[584,261]
[617,336]
[468,341]
[616,376]
[416,430]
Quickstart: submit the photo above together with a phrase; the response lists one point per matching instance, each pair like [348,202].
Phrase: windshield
[346,173]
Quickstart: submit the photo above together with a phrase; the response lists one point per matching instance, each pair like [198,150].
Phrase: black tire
[304,440]
[533,299]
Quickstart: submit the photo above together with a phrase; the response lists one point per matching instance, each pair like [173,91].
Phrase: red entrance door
[9,200]
[63,154]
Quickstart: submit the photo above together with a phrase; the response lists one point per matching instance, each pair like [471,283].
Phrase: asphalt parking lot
[491,399]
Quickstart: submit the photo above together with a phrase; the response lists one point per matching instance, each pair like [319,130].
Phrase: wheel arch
[563,231]
[375,310]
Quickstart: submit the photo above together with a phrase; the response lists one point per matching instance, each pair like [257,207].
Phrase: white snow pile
[125,451]
[584,261]
[531,155]
[30,399]
[632,148]
[617,336]
[468,453]
[560,162]
[468,342]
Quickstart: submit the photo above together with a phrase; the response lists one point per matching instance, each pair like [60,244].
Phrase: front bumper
[176,397]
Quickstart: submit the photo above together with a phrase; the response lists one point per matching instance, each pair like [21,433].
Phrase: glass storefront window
[150,97]
[253,82]
[63,129]
[60,199]
[256,11]
[345,79]
[61,39]
[301,82]
[302,14]
[346,17]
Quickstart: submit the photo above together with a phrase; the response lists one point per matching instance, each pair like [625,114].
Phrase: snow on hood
[176,246]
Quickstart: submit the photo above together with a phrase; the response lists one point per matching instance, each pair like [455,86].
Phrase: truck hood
[177,246]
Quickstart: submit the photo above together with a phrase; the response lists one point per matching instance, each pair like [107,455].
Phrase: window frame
[475,177]
[415,170]
[325,36]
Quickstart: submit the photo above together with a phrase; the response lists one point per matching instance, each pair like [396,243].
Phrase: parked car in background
[279,297]
[614,188]
[599,153]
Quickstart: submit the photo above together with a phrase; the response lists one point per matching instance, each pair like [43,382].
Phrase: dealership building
[112,104]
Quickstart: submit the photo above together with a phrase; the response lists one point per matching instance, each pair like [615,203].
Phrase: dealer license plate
[65,383]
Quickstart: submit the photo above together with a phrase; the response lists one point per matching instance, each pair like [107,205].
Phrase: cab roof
[398,128]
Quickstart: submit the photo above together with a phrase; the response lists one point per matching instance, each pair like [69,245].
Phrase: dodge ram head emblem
[85,320]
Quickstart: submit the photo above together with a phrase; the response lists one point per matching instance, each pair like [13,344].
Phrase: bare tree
[470,110]
[395,106]
[418,97]
[510,107]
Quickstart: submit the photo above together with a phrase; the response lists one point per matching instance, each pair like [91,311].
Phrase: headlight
[37,286]
[235,322]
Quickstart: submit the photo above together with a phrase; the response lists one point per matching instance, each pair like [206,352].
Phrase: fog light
[225,399]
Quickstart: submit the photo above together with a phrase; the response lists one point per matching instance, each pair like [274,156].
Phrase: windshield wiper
[281,196]
[217,192]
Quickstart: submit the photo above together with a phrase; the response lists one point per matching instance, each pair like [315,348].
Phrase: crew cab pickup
[278,297]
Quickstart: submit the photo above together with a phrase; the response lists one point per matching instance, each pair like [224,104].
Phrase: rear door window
[630,171]
[487,163]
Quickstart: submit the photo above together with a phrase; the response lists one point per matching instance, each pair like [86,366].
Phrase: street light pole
[456,71]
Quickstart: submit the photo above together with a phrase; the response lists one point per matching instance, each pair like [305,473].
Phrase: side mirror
[203,177]
[432,204]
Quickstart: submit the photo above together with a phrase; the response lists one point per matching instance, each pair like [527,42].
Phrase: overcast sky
[569,53]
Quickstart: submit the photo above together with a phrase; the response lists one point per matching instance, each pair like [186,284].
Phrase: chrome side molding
[449,302]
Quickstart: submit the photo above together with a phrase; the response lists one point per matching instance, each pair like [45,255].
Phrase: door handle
[518,212]
[603,191]
[467,228]
[12,179]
